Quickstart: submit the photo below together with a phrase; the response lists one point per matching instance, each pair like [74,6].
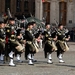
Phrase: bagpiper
[48,40]
[61,42]
[2,41]
[20,50]
[30,46]
[11,40]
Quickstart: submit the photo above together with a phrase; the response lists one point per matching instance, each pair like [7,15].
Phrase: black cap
[47,24]
[29,24]
[18,32]
[60,25]
[33,22]
[11,19]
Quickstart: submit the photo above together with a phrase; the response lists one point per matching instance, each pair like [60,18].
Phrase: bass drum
[20,47]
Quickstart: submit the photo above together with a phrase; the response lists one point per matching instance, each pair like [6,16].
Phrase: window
[26,5]
[7,5]
[62,12]
[18,8]
[46,11]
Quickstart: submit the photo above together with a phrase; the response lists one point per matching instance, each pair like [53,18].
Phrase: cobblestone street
[41,67]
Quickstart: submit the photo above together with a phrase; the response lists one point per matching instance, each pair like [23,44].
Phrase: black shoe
[19,61]
[34,60]
[30,64]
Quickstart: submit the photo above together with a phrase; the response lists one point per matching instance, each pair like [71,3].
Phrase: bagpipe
[20,47]
[62,43]
[9,13]
[33,46]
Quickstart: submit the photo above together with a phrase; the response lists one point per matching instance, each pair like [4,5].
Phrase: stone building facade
[52,11]
[18,7]
[56,11]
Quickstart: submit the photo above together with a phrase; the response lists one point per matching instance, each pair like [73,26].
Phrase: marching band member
[19,38]
[2,40]
[11,40]
[48,48]
[34,29]
[61,42]
[29,47]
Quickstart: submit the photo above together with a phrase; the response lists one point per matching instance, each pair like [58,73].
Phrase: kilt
[61,45]
[13,45]
[2,47]
[48,46]
[29,48]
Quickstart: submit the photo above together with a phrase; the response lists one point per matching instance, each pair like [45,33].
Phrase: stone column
[41,10]
[74,11]
[57,12]
[54,11]
[0,5]
[38,9]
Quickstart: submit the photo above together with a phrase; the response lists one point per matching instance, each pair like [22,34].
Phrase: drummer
[20,50]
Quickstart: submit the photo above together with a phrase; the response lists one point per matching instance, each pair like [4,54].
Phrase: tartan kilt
[13,44]
[29,48]
[61,45]
[48,46]
[2,45]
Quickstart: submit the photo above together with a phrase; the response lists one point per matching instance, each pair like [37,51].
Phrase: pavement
[41,67]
